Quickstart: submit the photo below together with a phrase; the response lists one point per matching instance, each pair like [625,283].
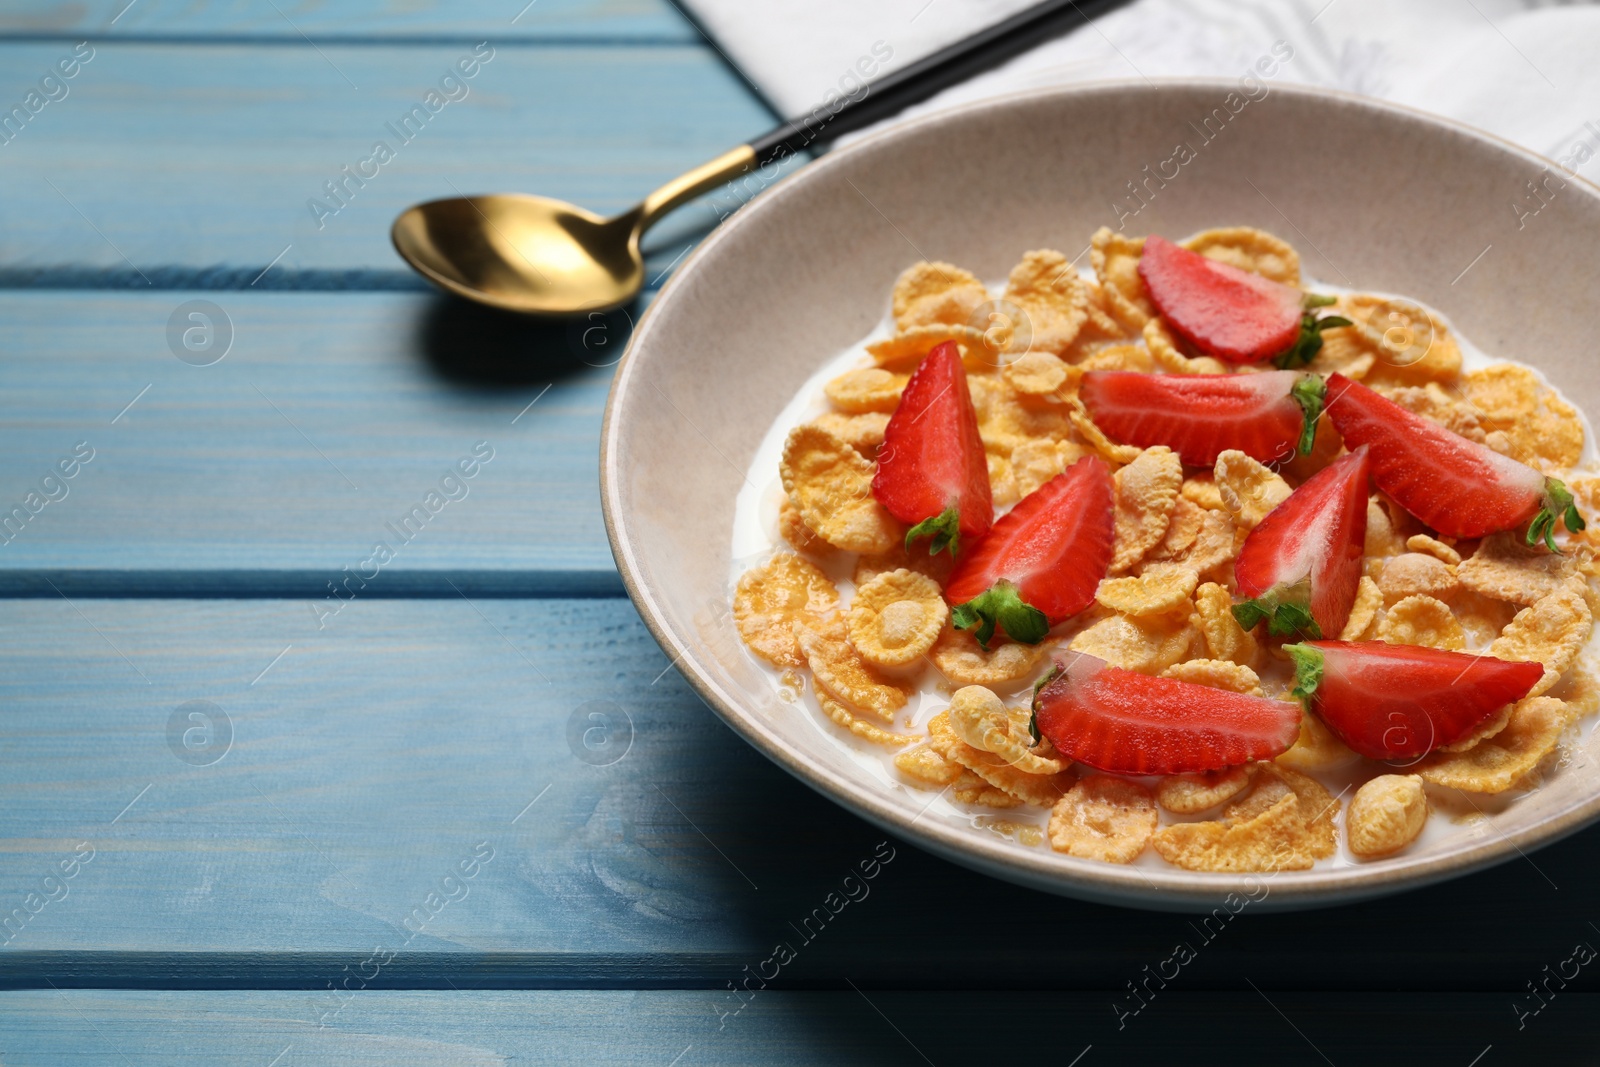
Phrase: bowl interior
[1372,196]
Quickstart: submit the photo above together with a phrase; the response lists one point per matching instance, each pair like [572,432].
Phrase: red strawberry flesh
[1457,486]
[932,471]
[1402,701]
[1052,549]
[1306,554]
[1200,416]
[1218,308]
[1123,722]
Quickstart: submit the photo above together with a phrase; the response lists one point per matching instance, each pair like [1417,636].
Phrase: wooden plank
[868,1026]
[552,21]
[172,166]
[271,471]
[369,760]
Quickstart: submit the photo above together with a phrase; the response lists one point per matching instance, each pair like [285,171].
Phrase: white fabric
[1524,69]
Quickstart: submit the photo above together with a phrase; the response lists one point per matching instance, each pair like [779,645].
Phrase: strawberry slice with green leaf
[932,471]
[1043,560]
[1124,722]
[1401,701]
[1299,569]
[1268,416]
[1457,486]
[1231,313]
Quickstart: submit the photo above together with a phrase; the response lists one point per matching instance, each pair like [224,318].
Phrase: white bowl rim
[1124,885]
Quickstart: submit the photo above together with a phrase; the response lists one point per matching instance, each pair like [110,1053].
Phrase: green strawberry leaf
[1309,392]
[1317,300]
[1308,665]
[1558,506]
[944,529]
[1286,610]
[1309,343]
[1001,604]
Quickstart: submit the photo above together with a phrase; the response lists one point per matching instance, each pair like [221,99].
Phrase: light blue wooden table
[247,817]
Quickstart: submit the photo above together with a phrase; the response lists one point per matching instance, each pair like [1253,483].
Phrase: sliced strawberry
[1042,561]
[932,471]
[1457,486]
[1300,567]
[1221,310]
[1128,723]
[1199,416]
[1398,701]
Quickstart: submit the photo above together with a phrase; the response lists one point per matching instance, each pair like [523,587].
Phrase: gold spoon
[547,257]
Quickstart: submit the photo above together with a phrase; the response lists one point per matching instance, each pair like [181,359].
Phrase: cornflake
[1433,547]
[896,617]
[1003,489]
[869,389]
[1249,490]
[1408,340]
[1048,289]
[1190,794]
[899,557]
[1504,569]
[1182,531]
[1386,815]
[1160,589]
[960,658]
[1552,631]
[1040,374]
[1006,419]
[1416,574]
[793,529]
[971,789]
[1364,611]
[844,675]
[1316,749]
[935,293]
[1382,537]
[1422,620]
[981,719]
[926,767]
[1038,790]
[1035,462]
[1116,264]
[1148,646]
[1165,353]
[1146,492]
[1218,674]
[772,600]
[1108,449]
[1249,249]
[1318,810]
[1201,489]
[1225,639]
[1267,842]
[1104,818]
[864,432]
[830,484]
[906,349]
[862,729]
[1497,763]
[1119,357]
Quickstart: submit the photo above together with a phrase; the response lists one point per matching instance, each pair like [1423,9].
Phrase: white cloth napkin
[1527,70]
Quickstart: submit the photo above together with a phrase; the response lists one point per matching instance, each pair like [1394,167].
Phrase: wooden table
[269,800]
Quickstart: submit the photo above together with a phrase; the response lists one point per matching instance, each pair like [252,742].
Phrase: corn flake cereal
[1162,345]
[1182,531]
[1504,569]
[1201,489]
[793,529]
[1146,492]
[830,484]
[906,349]
[1035,462]
[960,658]
[1408,340]
[1108,449]
[1316,749]
[1382,537]
[1007,419]
[773,599]
[1318,810]
[864,432]
[917,558]
[1433,547]
[1148,645]
[1190,794]
[1386,815]
[1160,589]
[1249,490]
[1416,574]
[928,293]
[1503,393]
[1048,289]
[1218,674]
[1104,818]
[981,719]
[1040,374]
[1038,790]
[971,789]
[864,730]
[1552,631]
[1249,249]
[1116,264]
[1422,620]
[1364,611]
[926,767]
[1225,639]
[1118,357]
[896,617]
[1497,763]
[869,389]
[1267,842]
[845,676]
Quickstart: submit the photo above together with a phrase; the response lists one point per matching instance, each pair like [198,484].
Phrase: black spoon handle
[955,63]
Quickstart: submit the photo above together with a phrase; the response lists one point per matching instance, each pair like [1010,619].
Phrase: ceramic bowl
[1374,197]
